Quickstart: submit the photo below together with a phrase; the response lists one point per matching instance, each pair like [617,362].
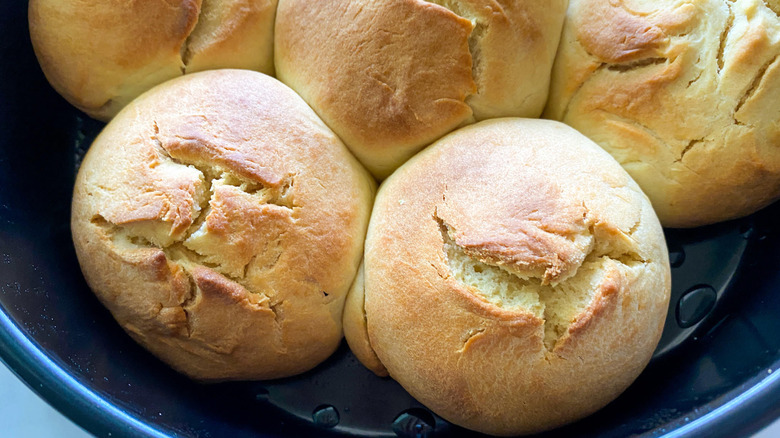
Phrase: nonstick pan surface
[712,375]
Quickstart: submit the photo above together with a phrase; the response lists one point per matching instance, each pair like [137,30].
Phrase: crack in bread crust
[182,241]
[561,305]
[474,40]
[564,114]
[625,67]
[651,52]
[724,35]
[753,86]
[687,148]
[480,27]
[189,301]
[469,336]
[184,51]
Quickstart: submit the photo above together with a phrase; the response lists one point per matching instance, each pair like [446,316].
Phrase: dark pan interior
[713,374]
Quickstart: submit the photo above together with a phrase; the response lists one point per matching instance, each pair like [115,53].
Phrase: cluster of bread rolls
[514,278]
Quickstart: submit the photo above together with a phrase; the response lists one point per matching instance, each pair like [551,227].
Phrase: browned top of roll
[516,278]
[100,54]
[683,94]
[222,223]
[392,76]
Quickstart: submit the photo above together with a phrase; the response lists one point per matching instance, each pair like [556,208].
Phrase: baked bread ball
[223,231]
[685,95]
[101,54]
[516,278]
[391,76]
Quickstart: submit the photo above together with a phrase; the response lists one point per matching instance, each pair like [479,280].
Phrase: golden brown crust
[100,55]
[210,231]
[391,76]
[537,238]
[355,327]
[681,94]
[541,190]
[362,78]
[512,46]
[234,34]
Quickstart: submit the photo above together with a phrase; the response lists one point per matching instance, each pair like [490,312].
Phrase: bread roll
[685,95]
[391,76]
[101,54]
[224,231]
[516,278]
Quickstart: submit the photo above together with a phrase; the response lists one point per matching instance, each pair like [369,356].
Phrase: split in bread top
[223,234]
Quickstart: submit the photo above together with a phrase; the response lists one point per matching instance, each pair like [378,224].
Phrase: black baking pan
[713,373]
